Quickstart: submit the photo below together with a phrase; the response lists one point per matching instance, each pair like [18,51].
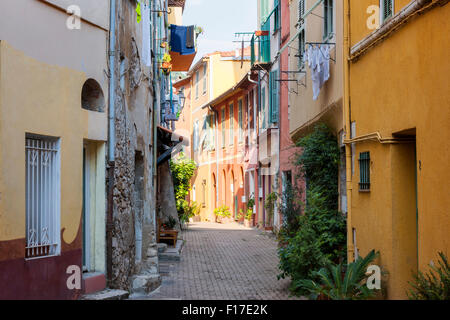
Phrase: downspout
[347,122]
[111,140]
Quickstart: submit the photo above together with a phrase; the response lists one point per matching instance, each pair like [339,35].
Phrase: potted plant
[249,214]
[170,223]
[269,205]
[166,65]
[222,214]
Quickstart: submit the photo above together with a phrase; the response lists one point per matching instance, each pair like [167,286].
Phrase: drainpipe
[111,140]
[347,122]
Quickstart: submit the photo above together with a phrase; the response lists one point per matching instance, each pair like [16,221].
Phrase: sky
[220,19]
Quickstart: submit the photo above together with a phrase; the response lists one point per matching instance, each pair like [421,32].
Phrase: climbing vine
[182,171]
[313,235]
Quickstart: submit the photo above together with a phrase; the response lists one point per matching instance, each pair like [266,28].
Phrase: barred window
[364,171]
[387,9]
[42,196]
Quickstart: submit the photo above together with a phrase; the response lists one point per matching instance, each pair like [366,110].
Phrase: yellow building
[53,128]
[210,77]
[397,117]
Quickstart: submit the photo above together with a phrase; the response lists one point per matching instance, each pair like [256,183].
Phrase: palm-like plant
[332,285]
[434,285]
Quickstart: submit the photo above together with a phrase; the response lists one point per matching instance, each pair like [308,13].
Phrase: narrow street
[225,262]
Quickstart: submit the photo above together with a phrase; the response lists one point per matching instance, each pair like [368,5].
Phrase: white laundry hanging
[318,59]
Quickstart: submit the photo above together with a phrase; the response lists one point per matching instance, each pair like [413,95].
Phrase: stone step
[145,283]
[107,294]
[93,282]
[161,247]
[172,253]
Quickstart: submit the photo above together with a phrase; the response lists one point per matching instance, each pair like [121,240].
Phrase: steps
[93,282]
[168,253]
[107,294]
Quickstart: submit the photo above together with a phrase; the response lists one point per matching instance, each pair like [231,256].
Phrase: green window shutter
[223,128]
[301,9]
[231,124]
[263,108]
[274,97]
[388,9]
[241,136]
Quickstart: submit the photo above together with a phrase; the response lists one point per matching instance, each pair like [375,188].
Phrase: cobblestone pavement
[223,262]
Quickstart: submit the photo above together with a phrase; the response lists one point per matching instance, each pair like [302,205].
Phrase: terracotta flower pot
[260,33]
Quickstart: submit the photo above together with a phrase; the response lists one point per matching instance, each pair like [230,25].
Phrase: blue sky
[220,19]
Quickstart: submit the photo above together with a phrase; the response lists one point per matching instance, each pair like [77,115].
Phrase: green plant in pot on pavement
[222,213]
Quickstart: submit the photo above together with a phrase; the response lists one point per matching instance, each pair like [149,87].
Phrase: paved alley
[223,262]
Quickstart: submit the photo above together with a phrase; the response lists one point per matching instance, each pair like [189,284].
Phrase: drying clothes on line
[178,40]
[190,37]
[318,61]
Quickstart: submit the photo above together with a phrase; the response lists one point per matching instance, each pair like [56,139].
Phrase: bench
[164,234]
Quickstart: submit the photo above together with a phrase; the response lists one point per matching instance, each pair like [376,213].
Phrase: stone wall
[133,235]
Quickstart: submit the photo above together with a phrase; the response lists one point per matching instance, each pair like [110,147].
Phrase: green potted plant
[222,214]
[249,214]
[166,65]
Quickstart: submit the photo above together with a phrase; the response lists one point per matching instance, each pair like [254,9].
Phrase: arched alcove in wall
[92,97]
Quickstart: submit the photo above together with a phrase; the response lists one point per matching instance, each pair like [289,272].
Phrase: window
[364,171]
[223,127]
[197,75]
[231,116]
[386,9]
[301,49]
[328,19]
[212,131]
[204,193]
[276,16]
[274,96]
[301,11]
[195,137]
[42,196]
[263,108]
[241,129]
[204,79]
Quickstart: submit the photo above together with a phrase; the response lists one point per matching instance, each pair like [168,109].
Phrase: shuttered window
[197,76]
[196,137]
[223,128]
[204,79]
[364,171]
[301,11]
[302,48]
[276,16]
[274,97]
[240,118]
[231,124]
[387,9]
[328,18]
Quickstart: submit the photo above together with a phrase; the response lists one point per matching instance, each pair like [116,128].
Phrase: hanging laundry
[178,39]
[190,37]
[318,61]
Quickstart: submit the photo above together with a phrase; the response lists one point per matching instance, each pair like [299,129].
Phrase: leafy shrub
[189,210]
[182,171]
[434,285]
[313,235]
[249,214]
[334,284]
[222,212]
[270,205]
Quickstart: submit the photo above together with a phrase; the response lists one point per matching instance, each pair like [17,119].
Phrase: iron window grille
[42,196]
[364,171]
